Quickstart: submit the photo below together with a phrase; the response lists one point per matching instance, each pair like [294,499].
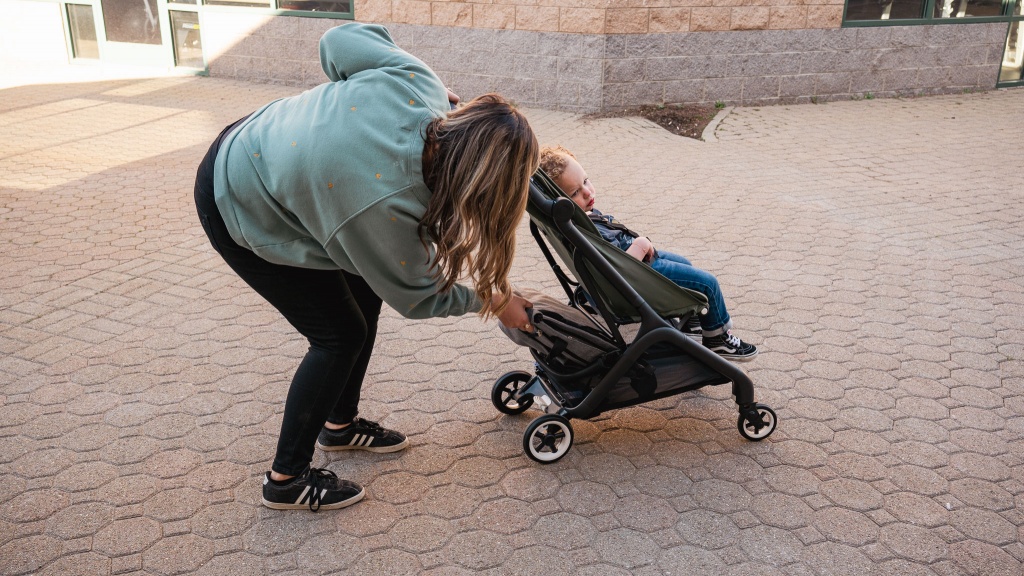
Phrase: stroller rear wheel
[760,430]
[548,438]
[504,390]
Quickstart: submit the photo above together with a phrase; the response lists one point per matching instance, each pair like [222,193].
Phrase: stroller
[639,353]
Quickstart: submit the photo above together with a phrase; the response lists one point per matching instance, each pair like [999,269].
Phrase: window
[188,44]
[1013,57]
[334,6]
[131,21]
[924,11]
[967,8]
[887,10]
[313,6]
[83,32]
[246,3]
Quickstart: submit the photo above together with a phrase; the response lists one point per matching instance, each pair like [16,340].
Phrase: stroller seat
[631,306]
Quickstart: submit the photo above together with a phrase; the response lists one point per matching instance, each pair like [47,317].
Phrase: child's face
[574,182]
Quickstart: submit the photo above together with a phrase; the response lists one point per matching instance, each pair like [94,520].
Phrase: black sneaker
[361,434]
[315,488]
[729,347]
[692,328]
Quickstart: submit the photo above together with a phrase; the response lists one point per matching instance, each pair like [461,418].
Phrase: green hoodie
[332,178]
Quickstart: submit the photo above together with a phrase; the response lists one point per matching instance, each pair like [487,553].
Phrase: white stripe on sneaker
[302,497]
[368,440]
[355,440]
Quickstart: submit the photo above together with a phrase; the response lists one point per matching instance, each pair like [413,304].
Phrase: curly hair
[483,155]
[552,160]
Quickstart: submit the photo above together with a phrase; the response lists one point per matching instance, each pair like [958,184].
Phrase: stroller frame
[549,437]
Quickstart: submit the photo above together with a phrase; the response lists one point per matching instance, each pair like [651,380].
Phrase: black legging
[336,311]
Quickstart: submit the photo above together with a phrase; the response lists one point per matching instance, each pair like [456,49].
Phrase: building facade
[579,55]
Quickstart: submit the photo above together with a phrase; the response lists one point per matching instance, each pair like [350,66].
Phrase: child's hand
[651,252]
[642,249]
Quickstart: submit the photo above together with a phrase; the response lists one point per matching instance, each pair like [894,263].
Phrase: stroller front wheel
[548,438]
[757,431]
[504,390]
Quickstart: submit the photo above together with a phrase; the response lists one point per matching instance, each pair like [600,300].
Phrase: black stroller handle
[542,202]
[560,209]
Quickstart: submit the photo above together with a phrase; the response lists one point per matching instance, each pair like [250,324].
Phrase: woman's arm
[383,245]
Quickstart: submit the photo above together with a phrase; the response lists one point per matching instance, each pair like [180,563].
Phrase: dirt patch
[681,120]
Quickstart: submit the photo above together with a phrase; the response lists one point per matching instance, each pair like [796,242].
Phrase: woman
[362,190]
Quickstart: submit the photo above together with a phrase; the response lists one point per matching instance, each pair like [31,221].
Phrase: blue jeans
[679,270]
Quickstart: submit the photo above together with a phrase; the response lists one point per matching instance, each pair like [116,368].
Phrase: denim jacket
[611,230]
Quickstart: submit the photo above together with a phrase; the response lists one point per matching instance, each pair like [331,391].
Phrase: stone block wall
[538,69]
[608,16]
[791,66]
[594,72]
[278,50]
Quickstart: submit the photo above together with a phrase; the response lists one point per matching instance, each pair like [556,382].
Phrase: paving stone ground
[872,249]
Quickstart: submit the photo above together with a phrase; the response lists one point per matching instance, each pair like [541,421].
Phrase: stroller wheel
[504,390]
[751,431]
[548,438]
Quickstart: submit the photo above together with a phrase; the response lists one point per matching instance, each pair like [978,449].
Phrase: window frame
[1020,82]
[273,10]
[928,19]
[69,39]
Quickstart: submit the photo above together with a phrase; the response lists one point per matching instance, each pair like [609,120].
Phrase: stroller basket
[573,353]
[636,354]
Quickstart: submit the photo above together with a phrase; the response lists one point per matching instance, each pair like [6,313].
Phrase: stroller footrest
[547,399]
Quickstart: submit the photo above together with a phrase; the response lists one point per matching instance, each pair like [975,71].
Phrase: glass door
[1012,66]
[186,36]
[133,32]
[82,31]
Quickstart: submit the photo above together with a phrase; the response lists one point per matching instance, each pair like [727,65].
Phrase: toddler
[714,328]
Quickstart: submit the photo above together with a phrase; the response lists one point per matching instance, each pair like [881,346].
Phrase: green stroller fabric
[663,295]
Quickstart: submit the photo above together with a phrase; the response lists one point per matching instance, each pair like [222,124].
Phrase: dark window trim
[928,20]
[350,15]
[1012,83]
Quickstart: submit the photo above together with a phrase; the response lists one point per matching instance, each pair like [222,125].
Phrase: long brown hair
[481,159]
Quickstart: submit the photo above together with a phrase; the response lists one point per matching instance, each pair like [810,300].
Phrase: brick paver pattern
[871,249]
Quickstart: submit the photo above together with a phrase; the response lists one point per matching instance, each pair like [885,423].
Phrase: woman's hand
[453,98]
[515,315]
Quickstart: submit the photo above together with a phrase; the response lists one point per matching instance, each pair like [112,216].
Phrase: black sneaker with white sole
[315,488]
[361,434]
[730,347]
[692,328]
